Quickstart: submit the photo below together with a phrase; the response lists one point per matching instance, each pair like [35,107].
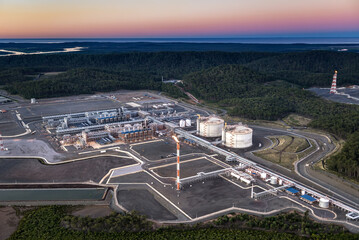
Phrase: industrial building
[106,126]
[143,122]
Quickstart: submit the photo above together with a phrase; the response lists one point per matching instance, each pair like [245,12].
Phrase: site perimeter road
[303,175]
[334,189]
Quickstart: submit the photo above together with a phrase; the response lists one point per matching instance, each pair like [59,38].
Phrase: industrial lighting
[175,138]
[178,161]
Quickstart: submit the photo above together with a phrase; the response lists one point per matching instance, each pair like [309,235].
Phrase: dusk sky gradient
[185,18]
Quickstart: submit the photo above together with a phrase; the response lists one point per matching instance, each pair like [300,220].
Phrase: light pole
[178,161]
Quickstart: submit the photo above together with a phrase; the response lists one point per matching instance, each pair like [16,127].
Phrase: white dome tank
[273,180]
[182,123]
[237,136]
[210,126]
[188,122]
[323,203]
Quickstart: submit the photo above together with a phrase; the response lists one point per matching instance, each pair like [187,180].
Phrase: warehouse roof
[308,198]
[292,190]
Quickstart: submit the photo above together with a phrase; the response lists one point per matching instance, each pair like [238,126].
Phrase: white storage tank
[188,122]
[280,182]
[323,203]
[210,126]
[237,136]
[182,123]
[302,192]
[263,175]
[273,180]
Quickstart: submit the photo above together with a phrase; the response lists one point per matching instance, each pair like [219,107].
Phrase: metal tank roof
[239,129]
[212,120]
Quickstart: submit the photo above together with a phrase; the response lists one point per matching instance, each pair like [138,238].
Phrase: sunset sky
[184,18]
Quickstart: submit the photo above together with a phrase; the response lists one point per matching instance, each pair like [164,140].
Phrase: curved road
[333,189]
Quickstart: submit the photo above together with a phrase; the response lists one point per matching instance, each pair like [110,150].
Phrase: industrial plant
[178,153]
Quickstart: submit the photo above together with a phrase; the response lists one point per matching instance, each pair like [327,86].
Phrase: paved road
[334,190]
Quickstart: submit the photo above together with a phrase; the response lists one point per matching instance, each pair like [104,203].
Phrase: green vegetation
[55,222]
[270,100]
[297,120]
[346,162]
[286,150]
[252,85]
[298,145]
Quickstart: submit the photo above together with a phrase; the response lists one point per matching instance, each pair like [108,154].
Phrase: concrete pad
[30,147]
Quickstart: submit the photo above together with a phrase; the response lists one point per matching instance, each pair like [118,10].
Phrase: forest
[57,222]
[253,85]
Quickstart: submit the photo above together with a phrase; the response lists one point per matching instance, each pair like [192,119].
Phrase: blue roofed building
[292,191]
[308,199]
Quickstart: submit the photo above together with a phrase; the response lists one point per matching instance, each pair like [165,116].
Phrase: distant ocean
[277,40]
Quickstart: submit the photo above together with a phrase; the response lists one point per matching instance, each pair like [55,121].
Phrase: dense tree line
[309,69]
[248,84]
[54,222]
[255,96]
[84,80]
[347,161]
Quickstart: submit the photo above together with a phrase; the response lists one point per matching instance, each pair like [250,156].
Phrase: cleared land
[67,106]
[204,197]
[8,222]
[9,125]
[150,208]
[93,211]
[286,150]
[188,168]
[163,149]
[33,171]
[297,120]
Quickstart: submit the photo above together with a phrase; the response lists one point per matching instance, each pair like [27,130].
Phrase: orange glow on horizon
[141,18]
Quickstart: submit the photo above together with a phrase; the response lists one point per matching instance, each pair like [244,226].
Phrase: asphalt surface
[324,93]
[188,168]
[325,147]
[32,171]
[132,199]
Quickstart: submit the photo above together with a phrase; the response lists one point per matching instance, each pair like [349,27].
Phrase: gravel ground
[188,168]
[144,203]
[30,147]
[93,211]
[8,222]
[32,171]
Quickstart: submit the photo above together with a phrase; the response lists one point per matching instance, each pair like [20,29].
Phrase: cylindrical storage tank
[223,136]
[263,175]
[182,123]
[280,181]
[237,136]
[210,127]
[302,192]
[188,122]
[273,180]
[323,203]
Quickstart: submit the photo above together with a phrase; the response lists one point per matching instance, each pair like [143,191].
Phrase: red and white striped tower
[178,162]
[333,89]
[1,144]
